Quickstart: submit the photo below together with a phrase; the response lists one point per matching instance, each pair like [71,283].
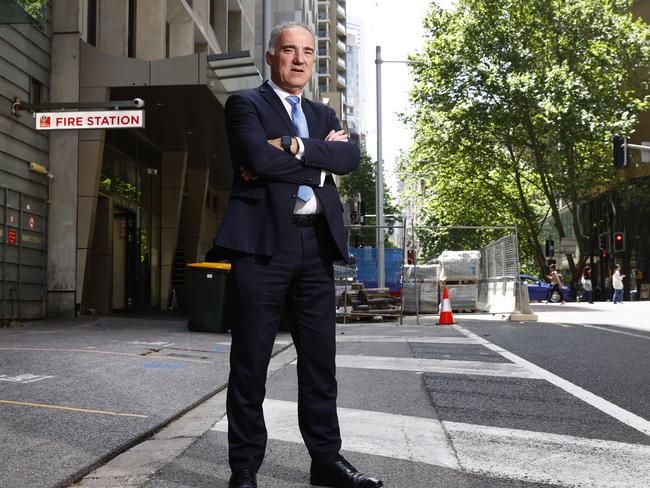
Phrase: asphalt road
[75,393]
[485,403]
[606,361]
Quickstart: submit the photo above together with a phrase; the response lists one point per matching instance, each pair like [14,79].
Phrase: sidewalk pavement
[628,315]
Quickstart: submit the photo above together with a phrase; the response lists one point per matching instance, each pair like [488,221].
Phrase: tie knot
[293,100]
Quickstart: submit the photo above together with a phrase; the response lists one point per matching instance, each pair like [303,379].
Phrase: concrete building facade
[127,208]
[25,51]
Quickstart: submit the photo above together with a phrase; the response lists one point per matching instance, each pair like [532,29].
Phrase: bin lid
[222,266]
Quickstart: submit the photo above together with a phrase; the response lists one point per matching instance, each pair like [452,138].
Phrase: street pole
[379,182]
[265,34]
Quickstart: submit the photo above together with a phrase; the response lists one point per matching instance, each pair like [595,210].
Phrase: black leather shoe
[243,478]
[341,474]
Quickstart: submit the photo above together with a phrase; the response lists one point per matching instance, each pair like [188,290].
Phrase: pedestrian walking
[283,229]
[585,281]
[556,280]
[617,284]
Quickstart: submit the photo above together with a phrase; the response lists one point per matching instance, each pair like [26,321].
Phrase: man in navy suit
[283,229]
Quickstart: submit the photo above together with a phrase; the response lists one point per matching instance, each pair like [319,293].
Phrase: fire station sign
[105,119]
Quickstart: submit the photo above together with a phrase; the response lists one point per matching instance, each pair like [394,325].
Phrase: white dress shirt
[313,206]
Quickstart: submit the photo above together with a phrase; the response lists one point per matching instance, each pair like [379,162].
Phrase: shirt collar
[281,93]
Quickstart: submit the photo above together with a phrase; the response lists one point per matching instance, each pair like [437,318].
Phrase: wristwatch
[285,142]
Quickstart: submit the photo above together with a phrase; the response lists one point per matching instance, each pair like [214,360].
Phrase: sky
[396,26]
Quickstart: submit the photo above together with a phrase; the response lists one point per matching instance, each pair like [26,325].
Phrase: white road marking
[508,370]
[620,414]
[24,378]
[616,331]
[400,437]
[406,339]
[483,450]
[549,458]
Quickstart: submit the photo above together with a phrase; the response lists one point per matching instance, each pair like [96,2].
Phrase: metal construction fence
[484,278]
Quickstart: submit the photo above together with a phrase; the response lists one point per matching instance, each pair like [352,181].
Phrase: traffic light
[621,152]
[619,241]
[549,248]
[602,242]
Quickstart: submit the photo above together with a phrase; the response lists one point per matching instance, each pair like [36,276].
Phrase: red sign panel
[11,237]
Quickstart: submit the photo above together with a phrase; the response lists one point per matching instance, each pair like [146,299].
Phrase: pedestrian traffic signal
[604,255]
[602,242]
[621,152]
[619,241]
[549,248]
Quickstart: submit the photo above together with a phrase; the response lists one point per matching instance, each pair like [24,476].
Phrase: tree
[516,102]
[363,182]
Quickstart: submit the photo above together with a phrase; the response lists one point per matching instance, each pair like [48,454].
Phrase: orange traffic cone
[446,317]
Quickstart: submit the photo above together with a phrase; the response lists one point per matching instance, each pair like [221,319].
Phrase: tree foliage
[362,182]
[516,102]
[35,8]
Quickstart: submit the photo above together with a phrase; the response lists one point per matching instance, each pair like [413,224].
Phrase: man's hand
[337,136]
[246,174]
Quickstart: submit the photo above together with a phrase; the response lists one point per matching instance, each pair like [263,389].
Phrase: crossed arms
[265,159]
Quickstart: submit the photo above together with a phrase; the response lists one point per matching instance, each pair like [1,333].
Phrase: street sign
[12,237]
[568,244]
[103,119]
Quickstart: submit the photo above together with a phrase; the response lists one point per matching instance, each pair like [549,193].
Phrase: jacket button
[293,195]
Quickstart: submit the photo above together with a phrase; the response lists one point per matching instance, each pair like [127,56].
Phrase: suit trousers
[298,279]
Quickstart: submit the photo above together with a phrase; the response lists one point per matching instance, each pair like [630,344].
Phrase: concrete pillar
[150,29]
[91,150]
[181,38]
[174,166]
[98,292]
[62,222]
[193,211]
[192,217]
[220,23]
[234,30]
[112,26]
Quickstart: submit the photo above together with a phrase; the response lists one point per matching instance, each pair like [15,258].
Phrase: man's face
[293,61]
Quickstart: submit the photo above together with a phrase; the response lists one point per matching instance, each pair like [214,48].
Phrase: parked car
[539,290]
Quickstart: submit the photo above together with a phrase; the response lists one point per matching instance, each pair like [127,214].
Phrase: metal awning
[233,71]
[223,74]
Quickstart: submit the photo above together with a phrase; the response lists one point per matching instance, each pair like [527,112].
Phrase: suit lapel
[270,96]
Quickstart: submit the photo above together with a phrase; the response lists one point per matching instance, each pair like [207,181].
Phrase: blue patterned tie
[300,123]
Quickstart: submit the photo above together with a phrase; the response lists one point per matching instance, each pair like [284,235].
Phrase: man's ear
[269,58]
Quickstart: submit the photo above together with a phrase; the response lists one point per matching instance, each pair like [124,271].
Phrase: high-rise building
[332,55]
[356,99]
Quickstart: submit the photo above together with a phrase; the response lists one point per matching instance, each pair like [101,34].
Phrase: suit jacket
[261,210]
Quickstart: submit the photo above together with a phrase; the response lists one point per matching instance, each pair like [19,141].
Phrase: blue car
[539,290]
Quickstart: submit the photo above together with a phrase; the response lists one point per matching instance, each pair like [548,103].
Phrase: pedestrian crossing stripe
[478,449]
[508,370]
[408,339]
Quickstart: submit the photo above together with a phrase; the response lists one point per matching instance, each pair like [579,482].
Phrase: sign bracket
[19,105]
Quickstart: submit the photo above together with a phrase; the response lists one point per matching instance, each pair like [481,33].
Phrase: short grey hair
[280,28]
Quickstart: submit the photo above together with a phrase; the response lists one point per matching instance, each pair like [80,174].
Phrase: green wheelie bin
[210,297]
